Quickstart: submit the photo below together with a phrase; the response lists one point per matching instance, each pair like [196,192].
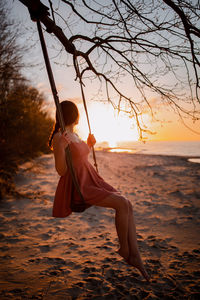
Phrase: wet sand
[75,258]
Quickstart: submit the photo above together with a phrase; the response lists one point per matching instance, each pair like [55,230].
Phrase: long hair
[70,115]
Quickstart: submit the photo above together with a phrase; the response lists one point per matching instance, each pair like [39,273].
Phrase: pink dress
[92,186]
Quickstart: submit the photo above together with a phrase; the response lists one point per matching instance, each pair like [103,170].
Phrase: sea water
[191,149]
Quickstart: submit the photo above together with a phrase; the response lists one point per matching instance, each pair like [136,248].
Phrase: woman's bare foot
[123,253]
[136,262]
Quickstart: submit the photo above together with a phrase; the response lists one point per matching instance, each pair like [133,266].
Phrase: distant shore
[76,257]
[188,149]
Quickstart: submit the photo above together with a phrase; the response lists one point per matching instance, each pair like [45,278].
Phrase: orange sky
[107,125]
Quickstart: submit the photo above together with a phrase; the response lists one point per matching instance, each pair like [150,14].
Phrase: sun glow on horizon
[107,125]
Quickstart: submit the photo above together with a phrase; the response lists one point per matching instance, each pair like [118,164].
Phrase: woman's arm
[60,142]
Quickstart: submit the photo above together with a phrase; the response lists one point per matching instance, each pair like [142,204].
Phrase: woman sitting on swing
[93,188]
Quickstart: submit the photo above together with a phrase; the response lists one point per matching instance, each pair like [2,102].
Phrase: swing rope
[38,11]
[60,115]
[85,106]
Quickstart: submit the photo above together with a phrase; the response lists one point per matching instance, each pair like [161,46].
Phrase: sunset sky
[106,124]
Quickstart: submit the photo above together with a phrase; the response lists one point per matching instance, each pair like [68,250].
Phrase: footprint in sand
[45,248]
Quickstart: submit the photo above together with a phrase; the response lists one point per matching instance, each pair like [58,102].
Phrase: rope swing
[58,107]
[74,206]
[85,107]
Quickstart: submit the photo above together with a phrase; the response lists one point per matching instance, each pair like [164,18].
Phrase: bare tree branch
[152,43]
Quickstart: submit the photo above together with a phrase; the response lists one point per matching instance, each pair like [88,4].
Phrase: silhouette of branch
[145,43]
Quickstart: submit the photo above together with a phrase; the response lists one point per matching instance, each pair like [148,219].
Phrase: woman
[93,188]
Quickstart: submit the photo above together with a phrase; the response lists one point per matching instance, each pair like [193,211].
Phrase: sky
[106,124]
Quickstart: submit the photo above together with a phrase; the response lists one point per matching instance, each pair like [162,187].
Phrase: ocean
[191,149]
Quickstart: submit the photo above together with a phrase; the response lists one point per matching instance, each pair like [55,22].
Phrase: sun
[107,125]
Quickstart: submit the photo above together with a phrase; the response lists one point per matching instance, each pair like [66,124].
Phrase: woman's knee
[130,206]
[118,202]
[123,204]
[126,205]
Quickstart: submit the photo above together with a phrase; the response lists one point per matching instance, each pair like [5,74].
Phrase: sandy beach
[75,258]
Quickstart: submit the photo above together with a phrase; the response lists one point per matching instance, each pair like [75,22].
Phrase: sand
[75,258]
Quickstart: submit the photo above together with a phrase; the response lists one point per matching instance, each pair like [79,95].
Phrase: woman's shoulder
[74,137]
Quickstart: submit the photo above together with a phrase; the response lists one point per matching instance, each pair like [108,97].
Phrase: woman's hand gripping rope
[91,141]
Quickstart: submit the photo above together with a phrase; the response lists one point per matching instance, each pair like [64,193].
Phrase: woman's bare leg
[132,236]
[134,254]
[121,207]
[126,231]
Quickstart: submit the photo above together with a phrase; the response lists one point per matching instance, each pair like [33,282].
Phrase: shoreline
[132,151]
[75,257]
[190,158]
[190,149]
